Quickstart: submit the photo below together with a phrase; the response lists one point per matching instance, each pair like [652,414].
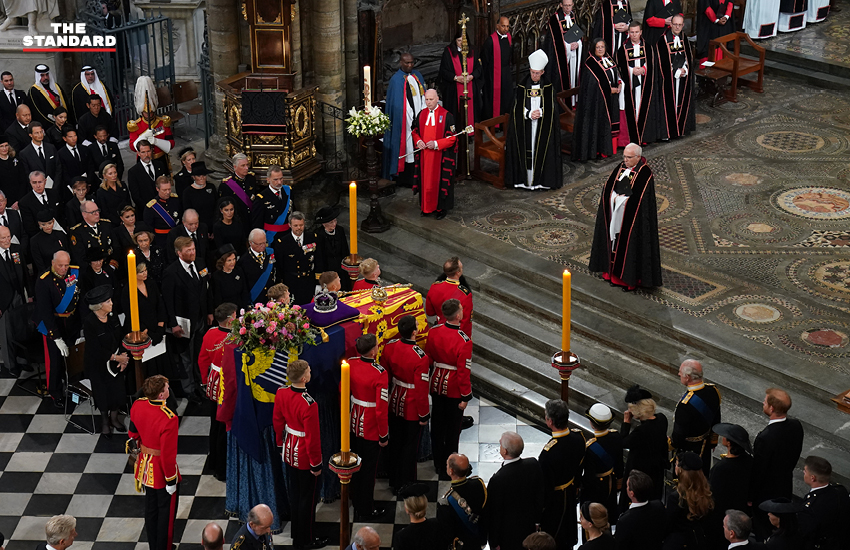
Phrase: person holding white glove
[56,298]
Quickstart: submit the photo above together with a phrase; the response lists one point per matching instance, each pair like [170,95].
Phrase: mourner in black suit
[13,182]
[515,496]
[39,198]
[13,321]
[641,526]
[103,149]
[19,130]
[10,100]
[254,263]
[46,242]
[185,288]
[95,117]
[826,507]
[40,155]
[75,161]
[192,228]
[294,251]
[12,219]
[141,177]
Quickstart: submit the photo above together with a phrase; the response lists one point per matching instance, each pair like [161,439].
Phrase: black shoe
[423,214]
[119,427]
[467,422]
[317,542]
[376,513]
[59,403]
[441,214]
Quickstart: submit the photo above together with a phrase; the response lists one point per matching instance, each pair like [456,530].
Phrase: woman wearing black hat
[331,244]
[104,359]
[95,273]
[183,178]
[201,195]
[112,195]
[228,280]
[730,477]
[229,229]
[692,522]
[12,181]
[647,443]
[783,516]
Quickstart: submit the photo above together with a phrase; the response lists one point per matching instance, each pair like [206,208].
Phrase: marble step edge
[794,60]
[591,290]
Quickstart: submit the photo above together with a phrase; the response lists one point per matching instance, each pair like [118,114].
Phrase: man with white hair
[90,85]
[60,533]
[258,264]
[45,95]
[365,538]
[677,68]
[13,321]
[697,411]
[625,242]
[191,227]
[241,186]
[434,167]
[533,156]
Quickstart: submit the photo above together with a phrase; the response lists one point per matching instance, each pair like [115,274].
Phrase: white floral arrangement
[367,123]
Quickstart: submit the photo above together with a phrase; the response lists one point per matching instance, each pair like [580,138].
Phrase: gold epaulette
[151,203]
[45,274]
[164,408]
[166,121]
[173,195]
[225,180]
[76,226]
[687,397]
[552,443]
[133,125]
[589,442]
[107,220]
[237,543]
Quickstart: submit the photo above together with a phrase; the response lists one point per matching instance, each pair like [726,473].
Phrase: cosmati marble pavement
[754,219]
[827,41]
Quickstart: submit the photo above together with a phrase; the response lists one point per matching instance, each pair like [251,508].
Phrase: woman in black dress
[229,229]
[152,317]
[730,477]
[647,443]
[126,230]
[228,280]
[154,257]
[691,517]
[12,179]
[597,123]
[183,178]
[422,533]
[104,359]
[331,244]
[783,516]
[112,195]
[73,214]
[594,521]
[60,122]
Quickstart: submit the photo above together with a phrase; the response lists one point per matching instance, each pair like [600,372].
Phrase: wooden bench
[567,117]
[493,148]
[737,65]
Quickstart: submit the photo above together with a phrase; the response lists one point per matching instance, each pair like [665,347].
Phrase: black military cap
[413,490]
[735,434]
[781,506]
[44,216]
[636,393]
[690,461]
[99,294]
[327,214]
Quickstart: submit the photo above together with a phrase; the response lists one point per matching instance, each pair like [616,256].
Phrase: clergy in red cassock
[432,177]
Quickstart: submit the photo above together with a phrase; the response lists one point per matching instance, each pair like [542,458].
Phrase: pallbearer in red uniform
[435,166]
[156,130]
[450,350]
[409,409]
[153,429]
[209,362]
[447,288]
[369,423]
[296,427]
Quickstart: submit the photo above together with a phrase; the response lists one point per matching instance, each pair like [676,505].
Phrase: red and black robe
[654,24]
[434,170]
[633,258]
[678,104]
[598,119]
[603,24]
[497,92]
[556,49]
[709,13]
[647,123]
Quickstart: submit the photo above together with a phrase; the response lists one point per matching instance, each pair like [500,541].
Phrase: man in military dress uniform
[156,130]
[258,263]
[296,427]
[294,250]
[93,232]
[55,317]
[271,205]
[561,460]
[450,350]
[153,431]
[450,287]
[826,507]
[369,423]
[256,533]
[460,509]
[409,409]
[603,462]
[241,186]
[163,212]
[697,411]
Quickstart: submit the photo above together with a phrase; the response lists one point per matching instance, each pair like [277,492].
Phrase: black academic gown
[558,69]
[603,24]
[493,66]
[636,257]
[707,29]
[449,88]
[548,171]
[650,123]
[681,119]
[598,119]
[654,9]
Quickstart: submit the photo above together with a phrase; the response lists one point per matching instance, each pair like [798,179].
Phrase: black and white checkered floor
[49,467]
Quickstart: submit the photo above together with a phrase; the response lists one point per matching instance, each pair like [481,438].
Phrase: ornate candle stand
[566,362]
[351,265]
[344,465]
[375,222]
[136,343]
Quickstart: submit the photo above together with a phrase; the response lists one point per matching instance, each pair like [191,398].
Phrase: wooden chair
[738,65]
[163,94]
[493,148]
[567,117]
[187,93]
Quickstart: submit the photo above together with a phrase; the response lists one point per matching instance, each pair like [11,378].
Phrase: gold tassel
[324,335]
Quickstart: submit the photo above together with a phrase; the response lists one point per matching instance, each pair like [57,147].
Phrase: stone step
[807,75]
[796,61]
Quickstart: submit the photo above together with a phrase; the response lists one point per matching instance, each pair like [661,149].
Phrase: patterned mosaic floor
[827,41]
[754,219]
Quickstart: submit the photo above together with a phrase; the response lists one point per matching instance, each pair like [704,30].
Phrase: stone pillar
[224,61]
[305,15]
[328,51]
[353,78]
[295,45]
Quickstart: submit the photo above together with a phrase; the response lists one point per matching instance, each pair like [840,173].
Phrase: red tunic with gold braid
[447,289]
[408,368]
[138,126]
[451,351]
[210,359]
[369,399]
[296,414]
[154,426]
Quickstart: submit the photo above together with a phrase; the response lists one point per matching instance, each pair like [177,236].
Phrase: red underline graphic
[69,50]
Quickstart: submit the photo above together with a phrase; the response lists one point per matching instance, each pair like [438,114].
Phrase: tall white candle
[367,86]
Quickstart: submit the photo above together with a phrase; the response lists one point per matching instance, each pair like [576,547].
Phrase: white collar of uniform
[600,434]
[775,420]
[505,463]
[637,504]
[501,35]
[273,190]
[696,387]
[562,433]
[742,543]
[255,253]
[813,489]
